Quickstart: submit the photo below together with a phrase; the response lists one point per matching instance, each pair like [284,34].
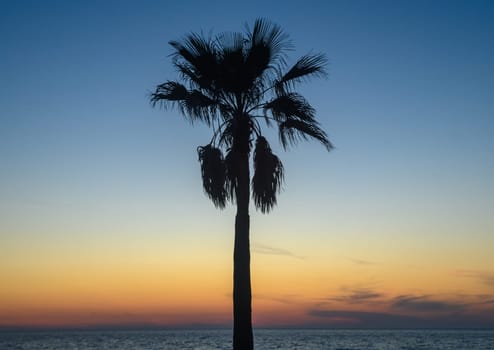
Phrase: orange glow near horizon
[174,291]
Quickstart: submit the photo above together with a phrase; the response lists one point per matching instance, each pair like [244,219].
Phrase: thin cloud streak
[359,319]
[290,299]
[484,276]
[360,261]
[270,250]
[424,304]
[358,296]
[377,310]
[363,319]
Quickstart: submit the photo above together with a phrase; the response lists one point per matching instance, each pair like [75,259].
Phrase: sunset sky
[103,220]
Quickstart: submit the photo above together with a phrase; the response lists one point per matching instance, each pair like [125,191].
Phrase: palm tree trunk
[242,296]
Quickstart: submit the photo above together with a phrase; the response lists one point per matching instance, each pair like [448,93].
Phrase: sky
[103,221]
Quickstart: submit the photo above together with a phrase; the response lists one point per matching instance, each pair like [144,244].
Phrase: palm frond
[293,130]
[194,78]
[169,92]
[230,41]
[226,137]
[257,60]
[268,176]
[199,104]
[255,95]
[194,105]
[266,34]
[306,67]
[193,48]
[266,46]
[196,58]
[231,64]
[290,105]
[213,172]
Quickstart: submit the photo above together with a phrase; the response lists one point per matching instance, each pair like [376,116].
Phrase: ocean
[265,339]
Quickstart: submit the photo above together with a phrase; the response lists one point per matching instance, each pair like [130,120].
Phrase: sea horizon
[264,339]
[226,328]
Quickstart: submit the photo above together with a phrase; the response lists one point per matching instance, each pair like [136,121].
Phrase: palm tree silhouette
[231,82]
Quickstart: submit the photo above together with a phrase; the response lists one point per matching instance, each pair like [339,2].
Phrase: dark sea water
[265,339]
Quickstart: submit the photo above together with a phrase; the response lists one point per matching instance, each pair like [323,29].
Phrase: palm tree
[232,82]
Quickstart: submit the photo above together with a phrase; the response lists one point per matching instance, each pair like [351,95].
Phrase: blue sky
[408,105]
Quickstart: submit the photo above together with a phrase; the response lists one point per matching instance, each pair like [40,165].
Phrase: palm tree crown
[231,82]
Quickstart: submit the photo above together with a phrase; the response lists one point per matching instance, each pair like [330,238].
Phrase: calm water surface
[265,339]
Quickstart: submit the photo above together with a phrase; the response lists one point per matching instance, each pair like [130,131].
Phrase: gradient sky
[103,220]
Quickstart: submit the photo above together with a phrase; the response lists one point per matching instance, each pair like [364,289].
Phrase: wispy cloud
[358,296]
[364,319]
[360,319]
[487,277]
[424,304]
[283,299]
[401,311]
[270,250]
[486,302]
[360,261]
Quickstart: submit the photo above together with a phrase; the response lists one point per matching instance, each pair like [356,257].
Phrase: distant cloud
[270,250]
[472,300]
[360,319]
[357,296]
[283,299]
[403,311]
[424,304]
[486,302]
[365,319]
[484,276]
[360,261]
